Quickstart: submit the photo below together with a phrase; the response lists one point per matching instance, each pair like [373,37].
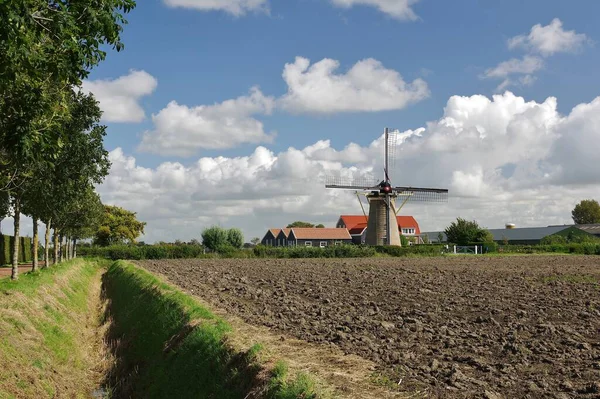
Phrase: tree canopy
[118,226]
[464,232]
[214,237]
[299,223]
[235,238]
[586,212]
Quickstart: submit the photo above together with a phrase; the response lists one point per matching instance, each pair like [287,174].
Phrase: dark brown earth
[458,327]
[6,271]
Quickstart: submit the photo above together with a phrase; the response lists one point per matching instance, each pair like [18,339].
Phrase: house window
[338,243]
[323,244]
[408,231]
[308,244]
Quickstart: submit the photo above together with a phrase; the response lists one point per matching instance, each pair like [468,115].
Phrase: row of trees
[52,152]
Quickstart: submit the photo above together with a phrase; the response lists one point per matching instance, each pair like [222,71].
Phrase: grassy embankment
[48,333]
[168,345]
[53,326]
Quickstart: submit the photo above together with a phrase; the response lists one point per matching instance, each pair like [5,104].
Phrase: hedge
[131,252]
[338,251]
[573,248]
[6,244]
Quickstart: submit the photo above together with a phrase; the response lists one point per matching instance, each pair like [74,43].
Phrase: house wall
[268,240]
[317,243]
[281,240]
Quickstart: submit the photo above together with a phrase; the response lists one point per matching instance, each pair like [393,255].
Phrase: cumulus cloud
[542,41]
[234,7]
[503,158]
[119,98]
[182,130]
[527,65]
[399,9]
[368,87]
[550,39]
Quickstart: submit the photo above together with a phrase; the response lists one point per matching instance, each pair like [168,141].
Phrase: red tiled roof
[321,234]
[275,232]
[407,222]
[286,232]
[355,221]
[358,229]
[352,220]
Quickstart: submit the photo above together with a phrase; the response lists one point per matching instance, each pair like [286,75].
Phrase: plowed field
[511,327]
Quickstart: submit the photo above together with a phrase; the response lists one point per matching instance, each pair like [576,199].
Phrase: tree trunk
[55,260]
[61,248]
[47,244]
[74,248]
[68,238]
[15,254]
[34,252]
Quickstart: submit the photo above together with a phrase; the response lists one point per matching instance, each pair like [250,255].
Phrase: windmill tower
[382,225]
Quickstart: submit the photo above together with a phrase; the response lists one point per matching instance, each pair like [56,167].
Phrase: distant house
[520,236]
[358,233]
[270,238]
[282,237]
[590,228]
[407,226]
[313,237]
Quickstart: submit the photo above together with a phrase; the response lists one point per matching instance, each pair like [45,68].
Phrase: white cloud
[119,98]
[542,41]
[368,87]
[504,159]
[399,9]
[233,7]
[527,65]
[182,130]
[550,39]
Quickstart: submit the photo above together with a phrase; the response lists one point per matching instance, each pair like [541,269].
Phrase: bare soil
[7,271]
[454,327]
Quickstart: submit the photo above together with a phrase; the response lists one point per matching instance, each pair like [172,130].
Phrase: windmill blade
[420,194]
[351,183]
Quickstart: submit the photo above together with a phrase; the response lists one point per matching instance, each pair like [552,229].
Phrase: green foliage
[136,252]
[573,248]
[147,314]
[403,240]
[6,245]
[463,232]
[320,226]
[255,241]
[336,251]
[301,224]
[281,386]
[214,237]
[412,250]
[118,226]
[235,238]
[586,212]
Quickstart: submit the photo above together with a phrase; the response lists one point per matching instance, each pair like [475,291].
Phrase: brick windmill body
[382,225]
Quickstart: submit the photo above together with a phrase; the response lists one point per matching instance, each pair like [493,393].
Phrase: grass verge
[168,345]
[44,345]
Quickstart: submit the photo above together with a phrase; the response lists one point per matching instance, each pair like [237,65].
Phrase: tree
[300,224]
[214,237]
[586,212]
[463,232]
[235,238]
[118,226]
[255,241]
[47,48]
[320,226]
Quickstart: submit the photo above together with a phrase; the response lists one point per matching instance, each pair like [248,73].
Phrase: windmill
[382,225]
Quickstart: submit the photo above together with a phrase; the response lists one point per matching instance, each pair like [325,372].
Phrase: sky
[235,112]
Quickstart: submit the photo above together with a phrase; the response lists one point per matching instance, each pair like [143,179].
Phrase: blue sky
[207,99]
[207,57]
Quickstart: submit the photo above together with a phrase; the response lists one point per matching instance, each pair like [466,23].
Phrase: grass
[43,350]
[169,345]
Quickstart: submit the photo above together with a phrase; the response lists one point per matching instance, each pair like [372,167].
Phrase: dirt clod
[501,327]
